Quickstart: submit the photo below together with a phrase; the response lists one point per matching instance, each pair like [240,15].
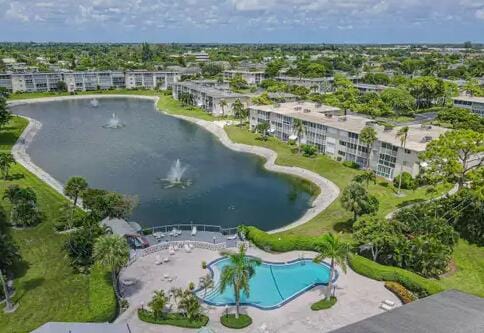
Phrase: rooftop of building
[211,91]
[370,86]
[474,99]
[447,312]
[244,71]
[294,78]
[417,139]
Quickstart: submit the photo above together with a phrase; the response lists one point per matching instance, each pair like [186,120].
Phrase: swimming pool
[273,285]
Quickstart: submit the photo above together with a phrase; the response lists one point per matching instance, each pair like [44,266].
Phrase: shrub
[323,304]
[280,243]
[309,150]
[230,321]
[408,183]
[102,300]
[204,264]
[173,319]
[351,164]
[419,285]
[400,291]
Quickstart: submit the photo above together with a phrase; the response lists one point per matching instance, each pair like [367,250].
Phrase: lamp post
[9,305]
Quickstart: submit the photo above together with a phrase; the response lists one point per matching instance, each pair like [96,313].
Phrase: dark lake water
[227,188]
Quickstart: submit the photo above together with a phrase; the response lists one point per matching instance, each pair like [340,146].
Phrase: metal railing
[189,227]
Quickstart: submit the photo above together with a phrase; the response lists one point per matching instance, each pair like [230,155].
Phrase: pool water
[273,284]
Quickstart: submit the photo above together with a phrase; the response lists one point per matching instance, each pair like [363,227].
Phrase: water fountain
[94,103]
[174,178]
[114,122]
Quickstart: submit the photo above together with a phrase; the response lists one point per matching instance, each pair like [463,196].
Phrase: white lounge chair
[232,237]
[128,282]
[194,231]
[166,259]
[389,303]
[171,251]
[191,246]
[385,307]
[166,276]
[187,248]
[158,260]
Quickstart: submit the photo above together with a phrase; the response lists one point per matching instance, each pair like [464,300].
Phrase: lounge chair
[232,237]
[389,303]
[166,276]
[128,282]
[166,259]
[385,307]
[158,260]
[171,251]
[194,231]
[191,246]
[187,248]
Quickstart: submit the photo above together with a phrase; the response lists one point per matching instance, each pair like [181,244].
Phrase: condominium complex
[365,87]
[338,136]
[208,97]
[474,104]
[250,77]
[82,81]
[317,85]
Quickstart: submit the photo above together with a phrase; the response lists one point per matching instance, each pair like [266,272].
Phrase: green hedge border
[172,319]
[277,243]
[415,283]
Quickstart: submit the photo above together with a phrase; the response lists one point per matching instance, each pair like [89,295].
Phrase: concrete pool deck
[358,296]
[329,192]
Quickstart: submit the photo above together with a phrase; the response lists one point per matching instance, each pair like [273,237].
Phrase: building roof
[211,91]
[417,138]
[118,226]
[243,71]
[470,99]
[451,311]
[302,79]
[58,327]
[370,86]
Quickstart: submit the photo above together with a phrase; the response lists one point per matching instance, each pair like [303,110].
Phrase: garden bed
[230,321]
[172,319]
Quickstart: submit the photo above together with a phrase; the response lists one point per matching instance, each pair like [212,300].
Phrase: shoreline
[329,192]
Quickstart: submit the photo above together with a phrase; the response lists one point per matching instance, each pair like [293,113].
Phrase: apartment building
[366,87]
[199,56]
[474,104]
[317,85]
[84,81]
[250,77]
[338,136]
[208,97]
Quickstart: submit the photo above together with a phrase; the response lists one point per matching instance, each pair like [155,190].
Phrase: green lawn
[469,277]
[47,288]
[334,217]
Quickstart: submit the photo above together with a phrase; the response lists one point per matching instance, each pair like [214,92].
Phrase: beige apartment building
[338,136]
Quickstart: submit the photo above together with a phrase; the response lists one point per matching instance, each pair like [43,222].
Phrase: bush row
[420,286]
[102,300]
[173,319]
[402,293]
[278,243]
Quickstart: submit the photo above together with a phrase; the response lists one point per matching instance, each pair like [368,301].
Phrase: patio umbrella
[206,330]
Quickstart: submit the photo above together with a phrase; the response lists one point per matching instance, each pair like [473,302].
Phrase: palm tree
[237,274]
[299,130]
[337,250]
[6,160]
[75,186]
[9,305]
[262,129]
[403,135]
[223,104]
[239,111]
[206,283]
[112,251]
[368,136]
[158,303]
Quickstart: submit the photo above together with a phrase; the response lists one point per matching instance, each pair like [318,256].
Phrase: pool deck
[358,296]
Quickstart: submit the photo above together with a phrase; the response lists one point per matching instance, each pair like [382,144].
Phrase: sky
[243,21]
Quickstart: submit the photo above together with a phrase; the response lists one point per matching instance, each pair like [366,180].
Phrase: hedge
[231,322]
[324,304]
[278,243]
[417,284]
[173,319]
[102,300]
[400,291]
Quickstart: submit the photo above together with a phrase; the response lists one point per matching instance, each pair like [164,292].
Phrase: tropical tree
[299,130]
[454,155]
[262,129]
[402,134]
[237,273]
[190,305]
[177,294]
[366,177]
[400,100]
[337,251]
[206,282]
[240,112]
[112,251]
[374,234]
[223,104]
[158,303]
[356,199]
[74,188]
[24,210]
[368,136]
[5,114]
[6,160]
[9,305]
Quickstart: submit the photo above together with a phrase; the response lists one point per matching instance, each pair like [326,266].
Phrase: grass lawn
[46,287]
[469,276]
[334,217]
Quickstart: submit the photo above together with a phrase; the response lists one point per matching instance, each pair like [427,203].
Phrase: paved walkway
[358,296]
